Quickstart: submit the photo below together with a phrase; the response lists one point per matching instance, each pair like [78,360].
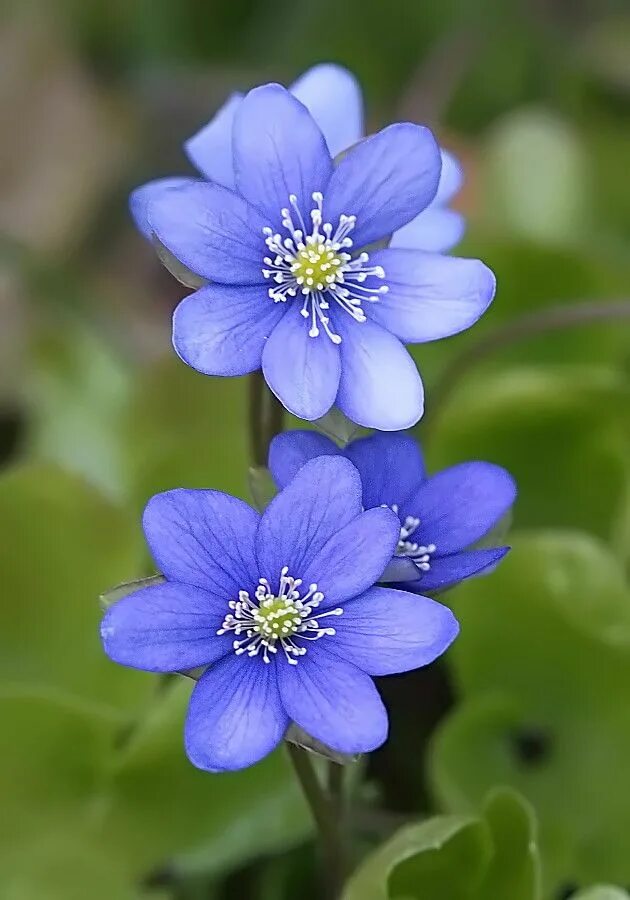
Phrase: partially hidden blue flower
[283,612]
[440,516]
[293,289]
[333,97]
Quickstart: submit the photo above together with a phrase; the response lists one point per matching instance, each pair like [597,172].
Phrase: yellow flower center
[316,267]
[276,618]
[273,620]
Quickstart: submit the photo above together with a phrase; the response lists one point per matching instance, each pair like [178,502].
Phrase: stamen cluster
[270,619]
[314,262]
[420,554]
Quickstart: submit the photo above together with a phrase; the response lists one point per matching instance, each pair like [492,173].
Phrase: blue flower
[293,291]
[333,97]
[283,612]
[440,515]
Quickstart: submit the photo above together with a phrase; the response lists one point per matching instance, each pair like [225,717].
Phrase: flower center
[313,261]
[317,266]
[420,554]
[269,619]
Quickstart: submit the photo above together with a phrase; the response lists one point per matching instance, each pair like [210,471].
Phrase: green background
[507,775]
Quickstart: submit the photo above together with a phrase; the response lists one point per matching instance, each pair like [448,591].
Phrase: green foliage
[161,807]
[62,543]
[84,799]
[548,426]
[184,429]
[77,388]
[536,173]
[543,656]
[462,857]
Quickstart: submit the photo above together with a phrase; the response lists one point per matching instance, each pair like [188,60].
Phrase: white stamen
[316,265]
[282,618]
[420,554]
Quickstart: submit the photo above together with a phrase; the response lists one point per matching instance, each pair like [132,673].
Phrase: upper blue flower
[283,612]
[440,516]
[293,291]
[332,95]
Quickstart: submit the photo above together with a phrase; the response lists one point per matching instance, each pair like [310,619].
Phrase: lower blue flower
[282,612]
[440,516]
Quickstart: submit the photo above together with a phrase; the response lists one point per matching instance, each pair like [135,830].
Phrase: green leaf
[462,857]
[186,430]
[77,389]
[548,426]
[541,661]
[162,807]
[52,751]
[62,544]
[455,870]
[454,842]
[65,866]
[514,871]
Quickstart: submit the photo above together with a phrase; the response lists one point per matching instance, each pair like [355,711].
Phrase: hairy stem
[266,415]
[336,779]
[325,816]
[265,421]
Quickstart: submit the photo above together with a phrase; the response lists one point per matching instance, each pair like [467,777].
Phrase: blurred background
[97,414]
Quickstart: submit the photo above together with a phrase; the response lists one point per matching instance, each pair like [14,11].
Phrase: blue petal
[290,450]
[210,149]
[459,505]
[332,95]
[211,230]
[221,329]
[333,701]
[324,496]
[446,571]
[380,386]
[235,717]
[165,628]
[390,465]
[385,181]
[354,558]
[451,179]
[430,296]
[203,538]
[302,371]
[387,631]
[140,199]
[278,151]
[435,230]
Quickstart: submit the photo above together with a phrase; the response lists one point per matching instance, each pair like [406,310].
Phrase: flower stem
[530,325]
[266,415]
[326,819]
[335,788]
